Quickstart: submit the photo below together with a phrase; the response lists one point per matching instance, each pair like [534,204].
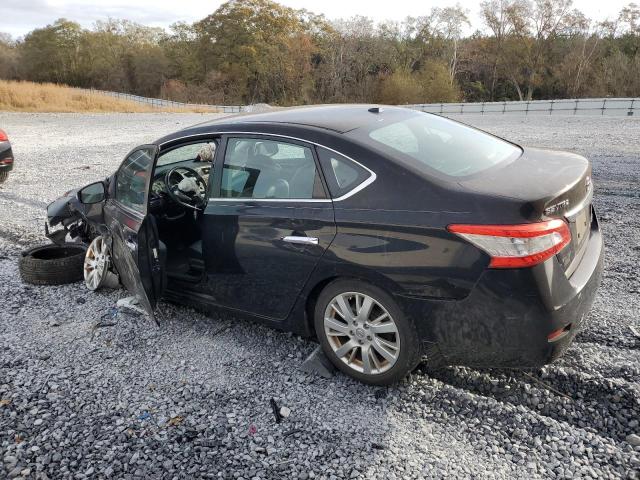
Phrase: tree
[9,57]
[52,53]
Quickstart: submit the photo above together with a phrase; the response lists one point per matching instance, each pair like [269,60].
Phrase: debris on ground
[132,304]
[276,410]
[318,363]
[285,412]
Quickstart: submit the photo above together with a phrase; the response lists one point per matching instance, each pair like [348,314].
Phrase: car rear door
[135,246]
[267,224]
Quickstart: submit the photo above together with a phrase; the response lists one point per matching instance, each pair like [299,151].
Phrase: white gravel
[192,398]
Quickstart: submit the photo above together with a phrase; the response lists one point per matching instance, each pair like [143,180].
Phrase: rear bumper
[509,316]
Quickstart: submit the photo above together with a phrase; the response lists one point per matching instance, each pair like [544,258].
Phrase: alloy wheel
[362,333]
[96,264]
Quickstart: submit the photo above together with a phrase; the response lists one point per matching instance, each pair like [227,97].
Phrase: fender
[80,221]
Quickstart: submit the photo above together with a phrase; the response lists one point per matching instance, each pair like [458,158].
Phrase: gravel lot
[191,398]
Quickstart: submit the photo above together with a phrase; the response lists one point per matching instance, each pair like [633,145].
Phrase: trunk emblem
[557,207]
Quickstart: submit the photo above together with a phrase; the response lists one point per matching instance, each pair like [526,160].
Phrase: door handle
[300,240]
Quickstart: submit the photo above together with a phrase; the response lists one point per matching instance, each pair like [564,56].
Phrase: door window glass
[342,174]
[257,168]
[131,179]
[194,152]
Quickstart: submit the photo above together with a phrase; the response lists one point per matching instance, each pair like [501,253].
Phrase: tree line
[252,51]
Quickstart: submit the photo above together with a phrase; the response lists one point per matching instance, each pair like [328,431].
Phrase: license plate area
[582,225]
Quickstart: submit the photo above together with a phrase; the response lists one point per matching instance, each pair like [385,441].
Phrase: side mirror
[92,193]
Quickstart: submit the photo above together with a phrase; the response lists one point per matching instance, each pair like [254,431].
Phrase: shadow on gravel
[594,404]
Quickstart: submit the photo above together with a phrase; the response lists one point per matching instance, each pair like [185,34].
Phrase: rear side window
[447,147]
[342,174]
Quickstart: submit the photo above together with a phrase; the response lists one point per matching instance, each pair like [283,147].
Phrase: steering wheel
[194,199]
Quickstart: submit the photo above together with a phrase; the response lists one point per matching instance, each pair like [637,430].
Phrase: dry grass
[49,97]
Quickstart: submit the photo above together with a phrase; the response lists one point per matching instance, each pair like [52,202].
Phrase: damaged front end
[68,216]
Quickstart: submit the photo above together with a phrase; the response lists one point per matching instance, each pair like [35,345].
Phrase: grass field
[48,97]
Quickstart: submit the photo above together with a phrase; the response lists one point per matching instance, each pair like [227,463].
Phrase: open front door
[136,251]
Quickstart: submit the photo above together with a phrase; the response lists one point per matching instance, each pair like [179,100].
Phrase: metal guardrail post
[551,108]
[441,107]
[630,112]
[604,105]
[526,112]
[575,109]
[482,111]
[504,107]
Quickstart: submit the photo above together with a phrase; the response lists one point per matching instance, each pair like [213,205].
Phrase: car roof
[337,118]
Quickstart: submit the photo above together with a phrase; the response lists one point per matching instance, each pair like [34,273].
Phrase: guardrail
[586,106]
[161,103]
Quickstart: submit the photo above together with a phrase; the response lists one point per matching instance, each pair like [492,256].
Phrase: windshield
[446,146]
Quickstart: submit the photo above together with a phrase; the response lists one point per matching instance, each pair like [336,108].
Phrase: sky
[17,17]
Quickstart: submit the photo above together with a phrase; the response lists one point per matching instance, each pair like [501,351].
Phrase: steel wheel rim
[362,333]
[96,263]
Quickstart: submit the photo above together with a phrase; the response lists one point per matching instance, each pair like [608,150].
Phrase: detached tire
[52,264]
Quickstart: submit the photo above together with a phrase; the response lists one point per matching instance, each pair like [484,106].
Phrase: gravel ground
[192,397]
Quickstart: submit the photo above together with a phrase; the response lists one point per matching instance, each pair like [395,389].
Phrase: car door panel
[135,244]
[260,252]
[250,263]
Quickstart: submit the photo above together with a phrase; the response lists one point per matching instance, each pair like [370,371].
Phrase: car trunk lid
[544,184]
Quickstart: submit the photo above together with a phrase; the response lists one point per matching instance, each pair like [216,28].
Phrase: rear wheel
[364,333]
[3,176]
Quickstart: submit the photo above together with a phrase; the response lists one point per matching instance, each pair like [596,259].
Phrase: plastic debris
[285,412]
[130,303]
[144,416]
[276,410]
[319,364]
[252,429]
[175,421]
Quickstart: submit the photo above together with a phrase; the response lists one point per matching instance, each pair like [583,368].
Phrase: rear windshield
[447,147]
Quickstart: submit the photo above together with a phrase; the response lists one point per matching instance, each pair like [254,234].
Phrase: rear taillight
[3,136]
[515,246]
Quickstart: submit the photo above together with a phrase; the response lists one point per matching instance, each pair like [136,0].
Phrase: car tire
[381,370]
[3,176]
[52,264]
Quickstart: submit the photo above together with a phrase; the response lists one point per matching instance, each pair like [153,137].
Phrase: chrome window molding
[372,177]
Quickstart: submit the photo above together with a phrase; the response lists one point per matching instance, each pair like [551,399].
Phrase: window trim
[372,177]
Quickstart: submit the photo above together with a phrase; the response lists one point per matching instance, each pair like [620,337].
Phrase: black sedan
[6,156]
[386,233]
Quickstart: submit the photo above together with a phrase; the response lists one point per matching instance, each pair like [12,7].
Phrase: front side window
[268,169]
[448,147]
[131,179]
[194,152]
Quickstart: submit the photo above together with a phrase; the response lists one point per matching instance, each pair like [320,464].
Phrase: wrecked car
[386,233]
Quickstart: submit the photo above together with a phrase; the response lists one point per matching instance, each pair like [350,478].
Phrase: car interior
[253,169]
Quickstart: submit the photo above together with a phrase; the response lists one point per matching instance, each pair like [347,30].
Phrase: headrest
[266,148]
